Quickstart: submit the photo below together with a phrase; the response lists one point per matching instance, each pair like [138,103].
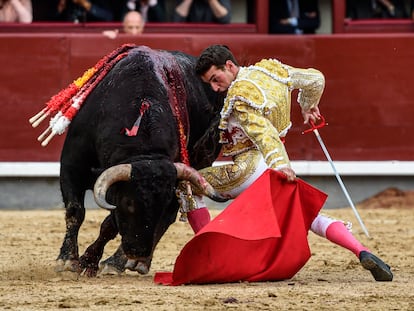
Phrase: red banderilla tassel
[134,130]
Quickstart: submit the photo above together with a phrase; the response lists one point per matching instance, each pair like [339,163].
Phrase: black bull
[180,110]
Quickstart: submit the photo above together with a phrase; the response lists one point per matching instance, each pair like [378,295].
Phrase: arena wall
[367,101]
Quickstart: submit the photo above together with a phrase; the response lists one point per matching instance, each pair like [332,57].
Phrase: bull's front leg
[68,259]
[90,259]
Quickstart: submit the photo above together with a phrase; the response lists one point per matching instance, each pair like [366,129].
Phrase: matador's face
[221,78]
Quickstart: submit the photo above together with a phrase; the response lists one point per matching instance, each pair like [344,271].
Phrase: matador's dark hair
[214,55]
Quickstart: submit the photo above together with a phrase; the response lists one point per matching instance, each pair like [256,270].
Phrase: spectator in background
[16,11]
[359,9]
[87,10]
[362,9]
[293,16]
[133,24]
[151,10]
[389,9]
[412,9]
[50,10]
[385,5]
[203,11]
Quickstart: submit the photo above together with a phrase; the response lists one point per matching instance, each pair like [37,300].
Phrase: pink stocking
[339,234]
[198,218]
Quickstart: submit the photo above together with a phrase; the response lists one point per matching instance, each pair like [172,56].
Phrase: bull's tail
[63,106]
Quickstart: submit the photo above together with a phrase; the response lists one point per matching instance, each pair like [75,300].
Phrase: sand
[332,279]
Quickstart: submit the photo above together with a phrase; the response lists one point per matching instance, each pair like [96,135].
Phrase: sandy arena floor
[332,279]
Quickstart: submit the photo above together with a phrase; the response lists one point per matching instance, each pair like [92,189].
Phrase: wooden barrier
[96,27]
[368,100]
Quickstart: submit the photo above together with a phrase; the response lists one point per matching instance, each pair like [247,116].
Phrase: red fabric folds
[260,236]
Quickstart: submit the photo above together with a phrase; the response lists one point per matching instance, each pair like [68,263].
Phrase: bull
[139,125]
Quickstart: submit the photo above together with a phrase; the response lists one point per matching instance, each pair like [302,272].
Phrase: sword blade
[338,177]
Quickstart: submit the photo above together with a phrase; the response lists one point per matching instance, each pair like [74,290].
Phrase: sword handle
[315,126]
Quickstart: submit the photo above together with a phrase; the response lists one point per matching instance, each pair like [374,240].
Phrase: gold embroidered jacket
[256,111]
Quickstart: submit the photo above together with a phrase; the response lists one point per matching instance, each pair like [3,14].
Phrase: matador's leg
[336,232]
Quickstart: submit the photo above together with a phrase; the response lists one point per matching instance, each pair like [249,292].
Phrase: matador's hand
[290,174]
[312,114]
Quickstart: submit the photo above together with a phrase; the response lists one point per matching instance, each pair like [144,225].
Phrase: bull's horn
[121,172]
[192,175]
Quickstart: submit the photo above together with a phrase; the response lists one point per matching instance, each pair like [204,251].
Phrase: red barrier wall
[368,100]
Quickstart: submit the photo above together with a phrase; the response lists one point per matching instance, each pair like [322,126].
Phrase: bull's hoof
[139,266]
[60,264]
[131,264]
[142,268]
[89,265]
[113,265]
[106,269]
[68,265]
[90,272]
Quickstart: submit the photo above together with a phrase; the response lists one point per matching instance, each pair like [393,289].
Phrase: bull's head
[122,172]
[144,200]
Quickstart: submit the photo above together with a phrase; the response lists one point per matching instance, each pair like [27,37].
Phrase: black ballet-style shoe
[379,269]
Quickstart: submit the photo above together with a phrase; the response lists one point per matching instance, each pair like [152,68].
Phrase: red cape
[260,236]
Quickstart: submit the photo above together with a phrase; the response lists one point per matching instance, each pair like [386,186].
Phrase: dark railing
[341,24]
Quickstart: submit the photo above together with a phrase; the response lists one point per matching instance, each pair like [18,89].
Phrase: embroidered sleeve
[263,134]
[310,83]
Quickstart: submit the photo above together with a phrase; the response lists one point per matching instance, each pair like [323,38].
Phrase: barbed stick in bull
[314,128]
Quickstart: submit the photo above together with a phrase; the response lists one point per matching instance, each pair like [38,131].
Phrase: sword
[314,128]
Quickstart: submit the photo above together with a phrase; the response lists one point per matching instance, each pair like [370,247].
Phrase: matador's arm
[263,134]
[310,82]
